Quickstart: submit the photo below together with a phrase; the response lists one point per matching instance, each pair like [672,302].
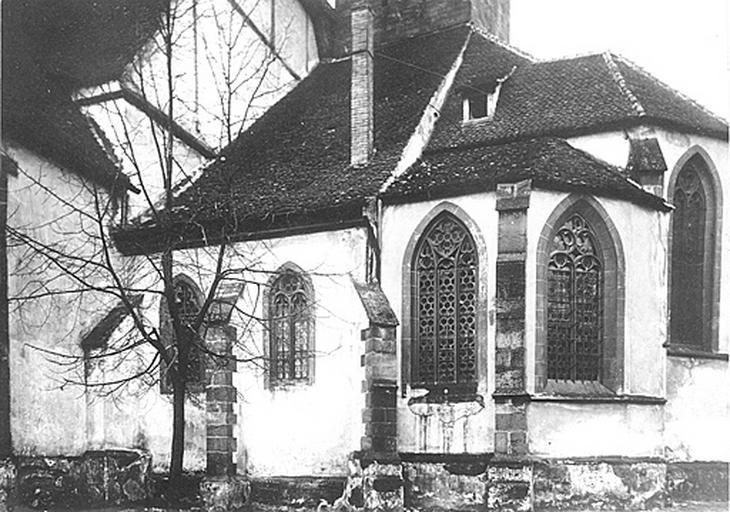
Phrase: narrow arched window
[692,256]
[291,327]
[188,299]
[574,299]
[444,282]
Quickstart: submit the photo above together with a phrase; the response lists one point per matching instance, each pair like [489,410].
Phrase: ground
[680,507]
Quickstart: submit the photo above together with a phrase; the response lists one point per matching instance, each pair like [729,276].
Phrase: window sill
[455,394]
[290,385]
[688,351]
[476,121]
[588,392]
[576,388]
[612,399]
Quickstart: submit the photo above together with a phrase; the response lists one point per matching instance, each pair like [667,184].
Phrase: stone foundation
[8,476]
[697,481]
[600,484]
[296,491]
[465,483]
[460,487]
[222,494]
[95,478]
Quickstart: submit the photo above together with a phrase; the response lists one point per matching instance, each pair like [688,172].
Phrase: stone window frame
[608,241]
[269,382]
[482,295]
[713,251]
[197,386]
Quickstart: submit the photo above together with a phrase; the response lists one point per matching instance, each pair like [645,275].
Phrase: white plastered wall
[300,429]
[582,429]
[475,434]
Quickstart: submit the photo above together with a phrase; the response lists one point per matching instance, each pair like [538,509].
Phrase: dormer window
[480,105]
[480,101]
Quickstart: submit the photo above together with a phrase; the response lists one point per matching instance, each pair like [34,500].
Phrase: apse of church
[460,282]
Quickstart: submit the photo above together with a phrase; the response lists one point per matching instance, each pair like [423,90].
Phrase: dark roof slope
[295,158]
[50,48]
[293,163]
[664,105]
[567,97]
[58,131]
[550,162]
[645,155]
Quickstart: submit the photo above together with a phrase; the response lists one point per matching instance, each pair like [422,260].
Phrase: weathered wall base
[467,483]
[8,476]
[95,478]
[296,491]
[697,481]
[221,494]
[596,485]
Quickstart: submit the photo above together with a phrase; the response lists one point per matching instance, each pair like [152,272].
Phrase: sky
[683,43]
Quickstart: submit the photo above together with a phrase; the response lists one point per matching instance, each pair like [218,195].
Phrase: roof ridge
[422,133]
[620,80]
[679,93]
[494,39]
[575,56]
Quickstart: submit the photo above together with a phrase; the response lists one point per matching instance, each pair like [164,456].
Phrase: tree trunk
[178,431]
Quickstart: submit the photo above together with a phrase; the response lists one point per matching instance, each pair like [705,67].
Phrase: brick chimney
[361,89]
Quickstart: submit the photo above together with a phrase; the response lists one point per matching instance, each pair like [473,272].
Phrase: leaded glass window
[290,316]
[688,258]
[574,303]
[445,263]
[187,306]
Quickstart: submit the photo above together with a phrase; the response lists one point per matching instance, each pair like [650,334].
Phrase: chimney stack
[361,88]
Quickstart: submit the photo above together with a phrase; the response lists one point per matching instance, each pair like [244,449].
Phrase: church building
[465,279]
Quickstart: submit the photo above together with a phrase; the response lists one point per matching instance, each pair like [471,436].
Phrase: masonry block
[226,493]
[221,394]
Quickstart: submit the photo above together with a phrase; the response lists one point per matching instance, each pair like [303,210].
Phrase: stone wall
[8,476]
[478,482]
[95,478]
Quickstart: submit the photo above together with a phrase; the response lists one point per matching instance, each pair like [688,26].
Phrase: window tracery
[574,313]
[692,258]
[291,328]
[187,304]
[444,305]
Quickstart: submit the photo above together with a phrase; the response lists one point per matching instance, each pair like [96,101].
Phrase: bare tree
[78,268]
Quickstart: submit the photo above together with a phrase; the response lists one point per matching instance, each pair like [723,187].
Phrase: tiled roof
[50,48]
[566,97]
[645,155]
[58,131]
[550,163]
[294,161]
[295,158]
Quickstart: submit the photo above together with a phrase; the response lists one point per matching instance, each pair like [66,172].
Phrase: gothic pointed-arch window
[692,256]
[291,328]
[574,303]
[444,308]
[580,301]
[188,301]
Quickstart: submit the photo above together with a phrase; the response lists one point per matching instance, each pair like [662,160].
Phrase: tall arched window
[444,308]
[692,256]
[188,301]
[574,312]
[580,301]
[291,328]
